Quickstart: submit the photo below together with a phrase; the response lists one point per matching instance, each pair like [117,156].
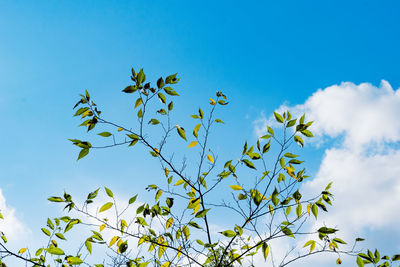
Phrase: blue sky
[262,54]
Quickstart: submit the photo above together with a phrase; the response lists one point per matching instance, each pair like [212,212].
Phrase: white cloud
[363,157]
[363,113]
[12,227]
[365,164]
[366,187]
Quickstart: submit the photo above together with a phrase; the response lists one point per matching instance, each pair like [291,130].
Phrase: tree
[175,229]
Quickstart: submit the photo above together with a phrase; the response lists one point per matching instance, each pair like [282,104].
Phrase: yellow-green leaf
[228,233]
[109,192]
[74,261]
[46,231]
[138,102]
[113,240]
[179,182]
[278,117]
[55,251]
[192,144]
[265,249]
[196,130]
[181,132]
[236,187]
[105,134]
[106,206]
[169,223]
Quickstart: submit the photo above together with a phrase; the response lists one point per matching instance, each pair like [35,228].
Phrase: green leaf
[141,77]
[326,230]
[70,224]
[55,251]
[278,117]
[290,155]
[196,130]
[295,161]
[310,243]
[186,232]
[291,123]
[360,262]
[248,163]
[228,233]
[61,236]
[242,196]
[201,213]
[307,133]
[160,83]
[80,111]
[141,221]
[377,256]
[123,247]
[50,224]
[298,140]
[133,136]
[170,106]
[270,131]
[162,111]
[396,257]
[83,153]
[266,147]
[265,249]
[46,231]
[129,89]
[267,136]
[287,231]
[282,162]
[154,121]
[74,261]
[105,134]
[170,91]
[328,186]
[338,240]
[132,199]
[38,252]
[288,210]
[302,119]
[320,205]
[106,206]
[171,79]
[201,113]
[162,98]
[181,132]
[55,199]
[298,210]
[244,148]
[314,210]
[158,194]
[139,101]
[195,225]
[281,177]
[109,192]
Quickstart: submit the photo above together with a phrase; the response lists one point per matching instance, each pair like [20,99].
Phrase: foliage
[175,228]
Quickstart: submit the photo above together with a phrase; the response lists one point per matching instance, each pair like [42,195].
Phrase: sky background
[327,58]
